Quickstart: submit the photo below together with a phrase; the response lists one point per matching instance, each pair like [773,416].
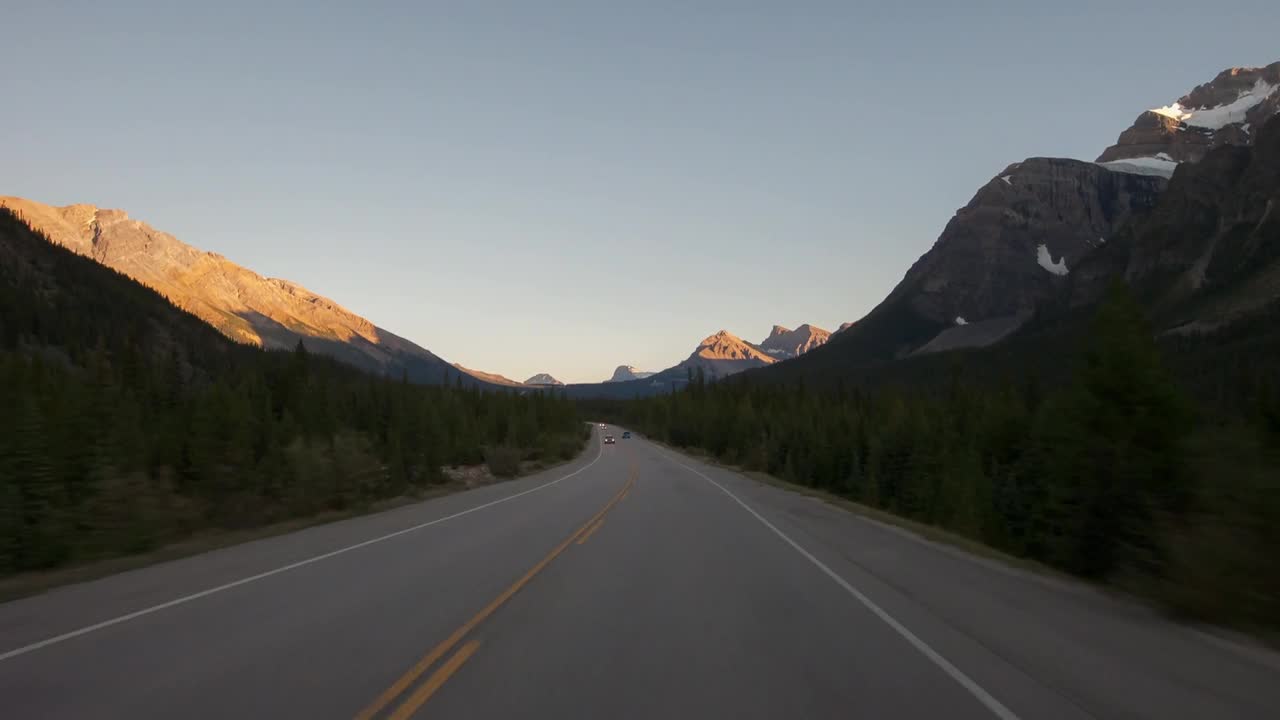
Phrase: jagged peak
[791,343]
[721,336]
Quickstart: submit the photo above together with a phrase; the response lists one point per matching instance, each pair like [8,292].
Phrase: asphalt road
[632,583]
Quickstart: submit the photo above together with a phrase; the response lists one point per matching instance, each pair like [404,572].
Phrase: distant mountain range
[718,355]
[243,305]
[722,353]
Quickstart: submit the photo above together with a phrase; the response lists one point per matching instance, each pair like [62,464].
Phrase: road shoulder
[28,584]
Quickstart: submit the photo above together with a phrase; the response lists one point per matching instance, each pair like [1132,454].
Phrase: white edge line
[285,568]
[995,706]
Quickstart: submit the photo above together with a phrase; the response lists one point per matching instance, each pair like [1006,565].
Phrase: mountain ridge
[491,378]
[250,308]
[785,344]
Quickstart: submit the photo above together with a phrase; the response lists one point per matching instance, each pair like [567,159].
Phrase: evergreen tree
[1113,449]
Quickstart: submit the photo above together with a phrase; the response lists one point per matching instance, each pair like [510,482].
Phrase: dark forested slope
[129,423]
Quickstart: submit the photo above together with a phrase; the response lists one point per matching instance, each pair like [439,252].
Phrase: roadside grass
[34,583]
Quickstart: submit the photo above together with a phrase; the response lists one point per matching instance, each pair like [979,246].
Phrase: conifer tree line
[128,424]
[1168,484]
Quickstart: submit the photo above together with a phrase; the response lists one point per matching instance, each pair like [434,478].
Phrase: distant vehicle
[601,426]
[626,434]
[608,439]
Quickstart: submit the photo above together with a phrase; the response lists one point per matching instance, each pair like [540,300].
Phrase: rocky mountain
[1227,110]
[542,379]
[241,304]
[1203,263]
[1024,233]
[1010,248]
[724,354]
[784,344]
[1209,253]
[624,373]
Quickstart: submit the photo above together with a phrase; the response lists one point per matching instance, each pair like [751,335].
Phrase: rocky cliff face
[1012,246]
[1227,110]
[267,312]
[1209,252]
[1019,236]
[784,344]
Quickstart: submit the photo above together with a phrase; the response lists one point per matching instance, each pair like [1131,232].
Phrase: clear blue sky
[569,186]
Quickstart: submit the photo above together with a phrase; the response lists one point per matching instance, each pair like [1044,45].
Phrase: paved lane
[633,583]
[320,640]
[684,605]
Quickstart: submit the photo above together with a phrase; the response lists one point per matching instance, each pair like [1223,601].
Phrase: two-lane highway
[632,583]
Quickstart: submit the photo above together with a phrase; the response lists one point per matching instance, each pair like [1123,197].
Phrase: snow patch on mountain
[1216,118]
[1161,165]
[1046,261]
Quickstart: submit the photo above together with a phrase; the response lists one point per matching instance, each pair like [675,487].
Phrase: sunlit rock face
[243,305]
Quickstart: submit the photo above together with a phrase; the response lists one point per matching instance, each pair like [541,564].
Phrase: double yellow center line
[445,671]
